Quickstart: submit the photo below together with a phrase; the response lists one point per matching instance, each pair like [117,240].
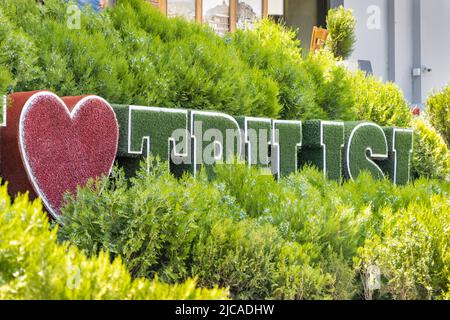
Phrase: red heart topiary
[62,146]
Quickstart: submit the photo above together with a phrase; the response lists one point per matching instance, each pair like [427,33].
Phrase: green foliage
[131,54]
[381,103]
[332,219]
[446,296]
[315,87]
[332,85]
[341,25]
[293,239]
[431,157]
[34,266]
[175,229]
[438,111]
[18,56]
[411,250]
[385,105]
[274,49]
[134,55]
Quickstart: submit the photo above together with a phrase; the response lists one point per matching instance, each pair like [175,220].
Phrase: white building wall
[435,49]
[372,41]
[399,35]
[401,58]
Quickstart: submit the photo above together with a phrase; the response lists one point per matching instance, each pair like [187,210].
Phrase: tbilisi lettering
[51,145]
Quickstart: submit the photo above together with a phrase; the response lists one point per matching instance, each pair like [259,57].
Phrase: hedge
[438,112]
[180,228]
[431,157]
[411,249]
[292,239]
[341,26]
[34,266]
[131,54]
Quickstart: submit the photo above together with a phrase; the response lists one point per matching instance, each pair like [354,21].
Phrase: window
[183,8]
[248,11]
[221,15]
[216,13]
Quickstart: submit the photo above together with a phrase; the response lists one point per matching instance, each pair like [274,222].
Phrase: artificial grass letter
[400,143]
[155,131]
[366,143]
[257,137]
[322,146]
[223,135]
[286,142]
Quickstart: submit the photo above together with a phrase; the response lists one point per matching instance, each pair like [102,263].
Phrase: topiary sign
[51,146]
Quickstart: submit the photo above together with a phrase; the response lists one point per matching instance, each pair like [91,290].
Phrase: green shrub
[130,54]
[293,239]
[411,250]
[341,25]
[333,86]
[18,56]
[431,157]
[446,296]
[438,110]
[274,49]
[34,266]
[333,219]
[311,88]
[175,229]
[385,105]
[381,103]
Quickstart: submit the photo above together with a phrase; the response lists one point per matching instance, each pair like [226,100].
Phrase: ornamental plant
[341,25]
[34,266]
[132,54]
[382,103]
[18,56]
[333,86]
[293,239]
[438,111]
[176,229]
[411,250]
[274,49]
[431,157]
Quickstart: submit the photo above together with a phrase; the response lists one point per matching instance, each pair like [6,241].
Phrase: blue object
[366,66]
[95,4]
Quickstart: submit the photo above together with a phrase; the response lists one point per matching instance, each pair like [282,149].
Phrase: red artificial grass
[59,153]
[11,166]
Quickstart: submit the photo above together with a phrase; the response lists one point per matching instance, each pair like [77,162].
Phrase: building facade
[406,41]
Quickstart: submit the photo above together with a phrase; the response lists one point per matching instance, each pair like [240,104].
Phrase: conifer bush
[341,25]
[274,49]
[333,86]
[438,110]
[431,157]
[34,266]
[411,250]
[177,229]
[381,103]
[131,54]
[294,239]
